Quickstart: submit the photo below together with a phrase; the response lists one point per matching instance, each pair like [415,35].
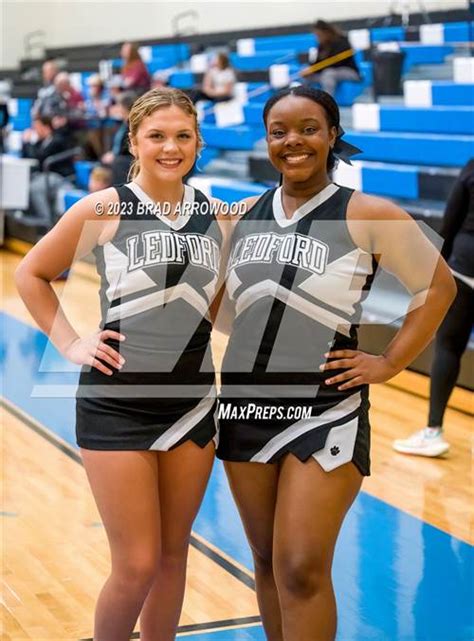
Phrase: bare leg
[125,487]
[183,474]
[254,486]
[310,509]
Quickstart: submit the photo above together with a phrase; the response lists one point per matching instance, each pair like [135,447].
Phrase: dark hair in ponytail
[318,96]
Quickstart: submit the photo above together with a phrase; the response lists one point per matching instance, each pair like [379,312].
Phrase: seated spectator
[331,43]
[100,178]
[98,107]
[134,73]
[97,104]
[218,82]
[72,99]
[119,157]
[49,71]
[63,104]
[42,143]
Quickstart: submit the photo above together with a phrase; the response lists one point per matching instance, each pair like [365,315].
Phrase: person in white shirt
[218,82]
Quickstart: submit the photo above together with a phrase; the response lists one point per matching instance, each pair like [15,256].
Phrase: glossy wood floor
[48,594]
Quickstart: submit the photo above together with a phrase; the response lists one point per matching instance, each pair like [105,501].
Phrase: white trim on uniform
[339,446]
[183,425]
[317,313]
[294,431]
[184,215]
[122,282]
[156,299]
[317,200]
[341,284]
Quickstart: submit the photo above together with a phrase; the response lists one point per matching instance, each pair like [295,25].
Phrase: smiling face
[299,139]
[166,143]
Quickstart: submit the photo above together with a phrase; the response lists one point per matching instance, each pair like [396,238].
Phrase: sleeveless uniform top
[158,278]
[297,285]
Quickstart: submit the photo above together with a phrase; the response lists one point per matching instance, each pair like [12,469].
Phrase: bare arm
[74,236]
[382,228]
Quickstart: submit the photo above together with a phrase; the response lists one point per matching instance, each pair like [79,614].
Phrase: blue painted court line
[396,577]
[244,634]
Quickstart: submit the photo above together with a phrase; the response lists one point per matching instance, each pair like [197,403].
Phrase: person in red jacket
[134,72]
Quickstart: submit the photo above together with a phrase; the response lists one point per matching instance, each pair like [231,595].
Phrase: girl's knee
[299,576]
[136,571]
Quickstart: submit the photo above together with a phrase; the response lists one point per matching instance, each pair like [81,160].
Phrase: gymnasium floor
[404,561]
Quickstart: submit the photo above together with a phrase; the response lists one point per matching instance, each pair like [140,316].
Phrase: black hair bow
[342,149]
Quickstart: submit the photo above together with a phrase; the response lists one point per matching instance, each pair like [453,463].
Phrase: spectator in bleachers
[72,99]
[100,178]
[49,71]
[97,104]
[41,143]
[331,43]
[115,87]
[135,75]
[454,332]
[63,104]
[119,157]
[219,81]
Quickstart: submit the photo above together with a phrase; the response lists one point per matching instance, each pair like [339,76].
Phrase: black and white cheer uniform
[297,285]
[158,278]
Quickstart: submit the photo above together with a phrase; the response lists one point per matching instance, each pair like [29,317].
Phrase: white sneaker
[425,442]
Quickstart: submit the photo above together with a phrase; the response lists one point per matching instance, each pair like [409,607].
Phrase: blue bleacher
[72,197]
[262,96]
[443,92]
[157,64]
[83,170]
[263,59]
[236,190]
[458,31]
[298,42]
[396,181]
[228,190]
[419,54]
[206,155]
[445,120]
[452,32]
[411,148]
[164,56]
[173,53]
[453,120]
[239,137]
[388,34]
[182,79]
[20,113]
[253,112]
[451,93]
